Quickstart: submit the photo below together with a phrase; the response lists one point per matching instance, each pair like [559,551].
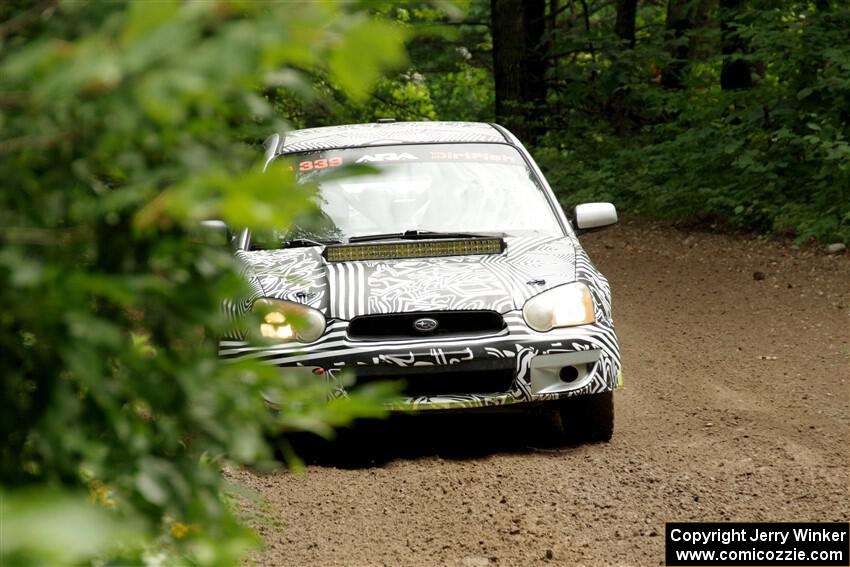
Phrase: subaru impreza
[448,265]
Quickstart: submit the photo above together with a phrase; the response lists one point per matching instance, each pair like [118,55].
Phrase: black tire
[588,418]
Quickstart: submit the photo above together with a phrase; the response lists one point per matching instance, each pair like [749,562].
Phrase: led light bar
[418,249]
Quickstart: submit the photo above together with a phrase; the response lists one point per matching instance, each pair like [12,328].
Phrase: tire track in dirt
[736,407]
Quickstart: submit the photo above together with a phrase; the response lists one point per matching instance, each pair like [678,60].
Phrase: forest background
[731,113]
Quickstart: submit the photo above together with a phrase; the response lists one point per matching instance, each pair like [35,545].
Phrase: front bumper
[533,362]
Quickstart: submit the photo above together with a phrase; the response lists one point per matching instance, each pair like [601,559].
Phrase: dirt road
[736,407]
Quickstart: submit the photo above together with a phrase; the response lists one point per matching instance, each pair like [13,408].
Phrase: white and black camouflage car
[453,269]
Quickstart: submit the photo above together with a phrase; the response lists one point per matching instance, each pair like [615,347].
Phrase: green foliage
[35,528]
[354,73]
[446,80]
[405,97]
[123,126]
[770,158]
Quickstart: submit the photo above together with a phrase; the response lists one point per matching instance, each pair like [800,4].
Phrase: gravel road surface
[736,407]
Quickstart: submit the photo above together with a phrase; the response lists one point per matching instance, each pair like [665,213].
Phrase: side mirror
[214,232]
[591,216]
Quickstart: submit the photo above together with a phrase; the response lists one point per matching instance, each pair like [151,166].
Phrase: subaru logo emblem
[425,325]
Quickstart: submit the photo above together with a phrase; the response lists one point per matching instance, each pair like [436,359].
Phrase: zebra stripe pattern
[499,282]
[353,135]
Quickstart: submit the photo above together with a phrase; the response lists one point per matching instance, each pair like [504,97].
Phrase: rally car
[449,265]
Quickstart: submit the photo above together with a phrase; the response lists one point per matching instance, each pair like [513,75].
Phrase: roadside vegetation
[125,125]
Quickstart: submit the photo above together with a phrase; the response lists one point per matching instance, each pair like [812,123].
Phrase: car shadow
[470,435]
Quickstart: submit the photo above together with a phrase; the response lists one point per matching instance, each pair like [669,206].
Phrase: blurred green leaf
[125,125]
[354,73]
[56,528]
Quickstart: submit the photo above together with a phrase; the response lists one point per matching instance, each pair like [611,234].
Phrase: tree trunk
[519,65]
[683,17]
[735,72]
[678,24]
[625,24]
[619,109]
[554,9]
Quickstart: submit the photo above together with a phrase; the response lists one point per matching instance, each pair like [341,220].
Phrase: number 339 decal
[323,163]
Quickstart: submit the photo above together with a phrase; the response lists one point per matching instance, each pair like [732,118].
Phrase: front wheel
[588,418]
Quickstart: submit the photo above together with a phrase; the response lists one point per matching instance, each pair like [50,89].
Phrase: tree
[624,27]
[735,72]
[683,18]
[124,125]
[519,64]
[678,23]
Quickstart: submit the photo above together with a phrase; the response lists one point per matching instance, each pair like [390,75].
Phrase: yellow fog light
[287,321]
[275,326]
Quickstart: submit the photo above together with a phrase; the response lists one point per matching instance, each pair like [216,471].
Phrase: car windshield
[470,188]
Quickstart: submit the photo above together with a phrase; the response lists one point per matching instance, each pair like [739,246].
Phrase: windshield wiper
[418,235]
[304,242]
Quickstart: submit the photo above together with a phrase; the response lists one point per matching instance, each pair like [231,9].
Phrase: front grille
[443,380]
[402,325]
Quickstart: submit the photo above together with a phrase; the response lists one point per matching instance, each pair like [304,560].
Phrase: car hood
[345,290]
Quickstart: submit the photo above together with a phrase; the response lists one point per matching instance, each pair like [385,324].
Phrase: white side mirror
[594,215]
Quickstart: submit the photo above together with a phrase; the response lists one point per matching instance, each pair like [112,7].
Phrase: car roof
[385,133]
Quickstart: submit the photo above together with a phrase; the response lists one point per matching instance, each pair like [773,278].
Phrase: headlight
[563,306]
[287,321]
